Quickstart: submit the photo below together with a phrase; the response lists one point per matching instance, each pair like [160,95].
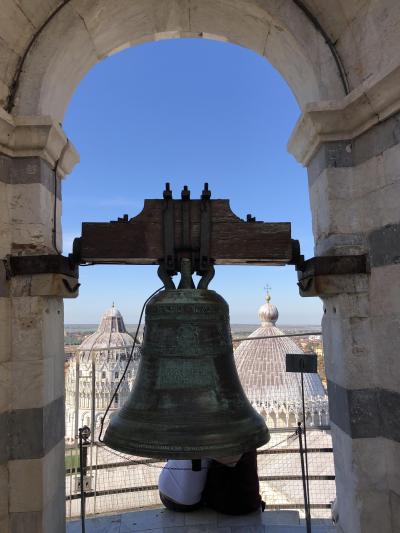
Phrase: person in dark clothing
[233,487]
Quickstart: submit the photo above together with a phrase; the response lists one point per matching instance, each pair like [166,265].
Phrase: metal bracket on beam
[26,265]
[329,275]
[48,275]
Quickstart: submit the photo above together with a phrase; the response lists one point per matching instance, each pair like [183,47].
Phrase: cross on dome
[267,296]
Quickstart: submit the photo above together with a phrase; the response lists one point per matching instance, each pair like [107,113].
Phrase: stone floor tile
[202,528]
[202,516]
[321,525]
[285,529]
[288,518]
[100,524]
[326,522]
[73,526]
[248,529]
[252,519]
[152,519]
[158,530]
[106,524]
[202,521]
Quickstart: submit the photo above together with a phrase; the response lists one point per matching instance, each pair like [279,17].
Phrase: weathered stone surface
[385,290]
[352,201]
[28,170]
[5,329]
[145,20]
[35,432]
[345,120]
[26,522]
[30,382]
[54,285]
[363,468]
[8,63]
[37,10]
[385,345]
[3,491]
[34,136]
[348,305]
[351,153]
[102,27]
[384,245]
[28,315]
[11,18]
[365,413]
[5,388]
[31,227]
[53,518]
[349,360]
[35,482]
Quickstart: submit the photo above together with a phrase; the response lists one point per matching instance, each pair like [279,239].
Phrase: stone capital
[339,120]
[39,136]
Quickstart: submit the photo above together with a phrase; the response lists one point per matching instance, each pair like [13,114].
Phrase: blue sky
[186,111]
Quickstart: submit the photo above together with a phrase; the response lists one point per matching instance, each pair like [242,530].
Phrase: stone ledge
[40,136]
[44,285]
[365,413]
[31,433]
[339,120]
[206,520]
[384,244]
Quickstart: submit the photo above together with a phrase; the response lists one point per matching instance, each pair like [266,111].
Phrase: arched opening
[195,110]
[96,30]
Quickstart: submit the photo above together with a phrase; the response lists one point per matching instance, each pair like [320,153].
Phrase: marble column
[352,151]
[34,156]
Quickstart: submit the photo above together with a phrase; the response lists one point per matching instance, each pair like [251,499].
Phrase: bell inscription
[176,374]
[185,309]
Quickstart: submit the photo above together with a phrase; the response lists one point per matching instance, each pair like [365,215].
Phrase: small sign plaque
[301,362]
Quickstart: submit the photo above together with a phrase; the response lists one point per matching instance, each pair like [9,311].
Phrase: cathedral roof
[261,364]
[110,334]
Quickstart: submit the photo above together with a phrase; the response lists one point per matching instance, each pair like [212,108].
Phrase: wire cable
[241,339]
[331,45]
[9,105]
[128,362]
[55,170]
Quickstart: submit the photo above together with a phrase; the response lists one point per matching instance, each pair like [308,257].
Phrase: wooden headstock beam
[204,230]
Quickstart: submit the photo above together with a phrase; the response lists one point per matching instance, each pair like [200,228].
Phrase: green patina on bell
[187,401]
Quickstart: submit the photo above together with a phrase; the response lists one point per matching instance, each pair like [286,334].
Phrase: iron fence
[117,482]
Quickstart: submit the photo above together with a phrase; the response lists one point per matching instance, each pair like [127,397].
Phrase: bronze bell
[187,401]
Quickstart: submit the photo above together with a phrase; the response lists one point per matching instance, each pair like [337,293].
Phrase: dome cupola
[112,321]
[261,365]
[268,313]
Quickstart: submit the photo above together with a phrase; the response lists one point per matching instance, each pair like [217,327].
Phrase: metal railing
[118,482]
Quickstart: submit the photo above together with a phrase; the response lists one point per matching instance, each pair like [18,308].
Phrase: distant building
[273,392]
[105,352]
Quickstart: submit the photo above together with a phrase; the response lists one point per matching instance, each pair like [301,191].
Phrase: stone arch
[83,33]
[351,147]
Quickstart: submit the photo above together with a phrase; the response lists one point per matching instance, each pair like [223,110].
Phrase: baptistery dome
[111,333]
[275,393]
[98,366]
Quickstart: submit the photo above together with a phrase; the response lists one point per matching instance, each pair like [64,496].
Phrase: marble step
[202,521]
